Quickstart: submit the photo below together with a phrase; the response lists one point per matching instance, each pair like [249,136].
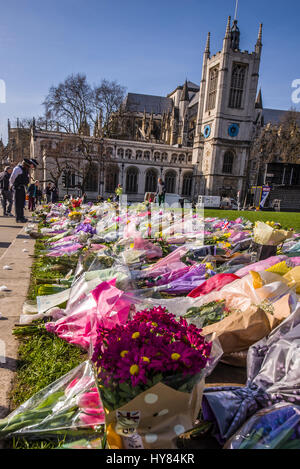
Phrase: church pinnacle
[207,48]
[227,34]
[185,92]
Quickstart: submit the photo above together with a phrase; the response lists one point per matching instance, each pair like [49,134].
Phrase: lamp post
[123,166]
[101,167]
[67,177]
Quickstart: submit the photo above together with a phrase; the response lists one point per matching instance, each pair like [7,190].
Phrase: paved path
[13,241]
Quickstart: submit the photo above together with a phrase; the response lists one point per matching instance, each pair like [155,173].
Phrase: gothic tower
[226,114]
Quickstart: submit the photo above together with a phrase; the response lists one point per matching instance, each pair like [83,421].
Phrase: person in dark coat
[6,193]
[19,180]
[54,194]
[48,192]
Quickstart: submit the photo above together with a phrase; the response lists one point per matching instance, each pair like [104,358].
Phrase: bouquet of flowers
[277,427]
[269,235]
[76,203]
[70,407]
[150,374]
[75,216]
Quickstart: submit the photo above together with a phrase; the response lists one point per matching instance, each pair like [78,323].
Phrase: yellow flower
[134,369]
[209,266]
[123,353]
[146,359]
[135,335]
[175,356]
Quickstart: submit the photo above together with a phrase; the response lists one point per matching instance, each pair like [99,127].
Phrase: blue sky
[148,46]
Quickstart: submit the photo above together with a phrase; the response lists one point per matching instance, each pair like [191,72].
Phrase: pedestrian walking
[48,193]
[6,192]
[161,191]
[54,194]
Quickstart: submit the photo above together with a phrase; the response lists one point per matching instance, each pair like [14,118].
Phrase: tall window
[187,184]
[132,180]
[139,155]
[91,178]
[146,155]
[120,153]
[212,88]
[170,181]
[228,162]
[151,181]
[128,154]
[157,156]
[112,178]
[237,86]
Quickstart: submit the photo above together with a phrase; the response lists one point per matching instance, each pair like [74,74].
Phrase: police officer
[19,180]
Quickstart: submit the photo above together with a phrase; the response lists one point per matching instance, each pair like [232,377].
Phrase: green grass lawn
[286,219]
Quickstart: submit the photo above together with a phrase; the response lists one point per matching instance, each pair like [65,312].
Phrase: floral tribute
[153,347]
[76,203]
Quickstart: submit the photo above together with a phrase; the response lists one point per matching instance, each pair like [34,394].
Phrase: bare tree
[278,142]
[71,103]
[108,97]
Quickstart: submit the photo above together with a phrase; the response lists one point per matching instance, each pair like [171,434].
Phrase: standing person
[39,194]
[54,194]
[48,192]
[6,192]
[84,198]
[19,180]
[118,192]
[161,191]
[32,193]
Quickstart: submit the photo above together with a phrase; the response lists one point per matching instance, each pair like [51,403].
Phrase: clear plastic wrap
[273,377]
[277,427]
[69,408]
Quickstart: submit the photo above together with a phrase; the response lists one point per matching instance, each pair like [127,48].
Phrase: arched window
[174,158]
[132,180]
[139,155]
[190,157]
[120,153]
[91,178]
[187,184]
[151,181]
[164,157]
[170,181]
[212,88]
[181,158]
[157,156]
[147,155]
[111,178]
[128,154]
[228,162]
[237,86]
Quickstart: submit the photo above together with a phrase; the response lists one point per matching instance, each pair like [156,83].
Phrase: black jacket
[4,180]
[22,179]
